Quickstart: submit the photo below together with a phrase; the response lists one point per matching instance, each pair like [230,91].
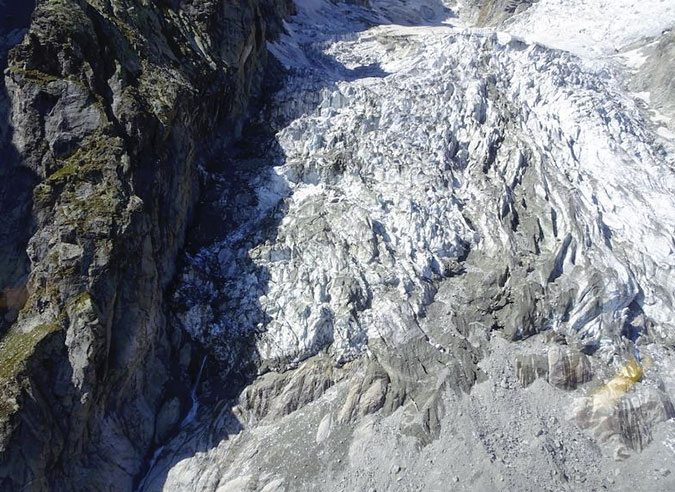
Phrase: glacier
[460,142]
[433,183]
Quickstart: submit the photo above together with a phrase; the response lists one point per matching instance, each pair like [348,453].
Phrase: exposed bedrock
[491,12]
[111,105]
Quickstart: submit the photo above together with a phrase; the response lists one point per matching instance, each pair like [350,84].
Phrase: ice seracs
[443,207]
[453,143]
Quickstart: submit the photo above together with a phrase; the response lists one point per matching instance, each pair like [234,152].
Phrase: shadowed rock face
[15,15]
[16,182]
[491,12]
[111,103]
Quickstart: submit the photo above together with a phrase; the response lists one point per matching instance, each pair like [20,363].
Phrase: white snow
[634,59]
[594,28]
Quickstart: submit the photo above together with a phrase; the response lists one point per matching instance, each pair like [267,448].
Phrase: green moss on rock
[35,75]
[91,157]
[67,170]
[16,346]
[42,194]
[79,302]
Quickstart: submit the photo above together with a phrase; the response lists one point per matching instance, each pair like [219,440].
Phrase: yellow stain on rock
[619,385]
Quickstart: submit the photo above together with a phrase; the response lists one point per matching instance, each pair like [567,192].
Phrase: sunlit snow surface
[410,141]
[594,28]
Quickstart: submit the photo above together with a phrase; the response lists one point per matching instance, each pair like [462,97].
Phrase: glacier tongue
[408,150]
[430,184]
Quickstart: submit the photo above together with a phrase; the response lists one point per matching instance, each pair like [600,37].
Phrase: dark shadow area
[16,228]
[225,200]
[16,181]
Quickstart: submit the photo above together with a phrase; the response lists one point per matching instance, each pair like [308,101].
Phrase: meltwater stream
[189,418]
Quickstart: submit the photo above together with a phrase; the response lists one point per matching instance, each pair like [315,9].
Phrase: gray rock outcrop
[562,367]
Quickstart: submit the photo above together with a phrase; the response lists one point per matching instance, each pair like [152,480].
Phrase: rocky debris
[274,395]
[637,416]
[367,395]
[652,78]
[623,412]
[567,369]
[531,367]
[629,423]
[493,12]
[562,367]
[493,436]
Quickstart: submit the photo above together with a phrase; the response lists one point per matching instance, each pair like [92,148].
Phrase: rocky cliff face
[491,12]
[17,183]
[111,105]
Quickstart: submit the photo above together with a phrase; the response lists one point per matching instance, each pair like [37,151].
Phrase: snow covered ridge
[409,149]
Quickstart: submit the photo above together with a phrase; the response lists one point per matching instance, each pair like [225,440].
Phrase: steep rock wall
[110,103]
